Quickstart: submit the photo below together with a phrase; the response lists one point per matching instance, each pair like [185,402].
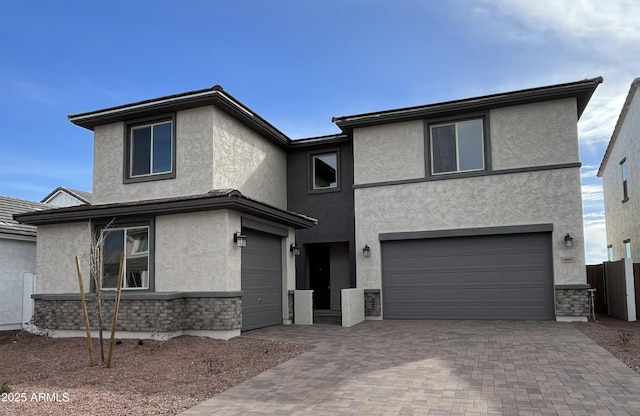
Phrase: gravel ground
[53,377]
[156,378]
[620,338]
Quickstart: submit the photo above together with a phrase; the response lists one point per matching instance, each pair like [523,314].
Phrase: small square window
[457,147]
[150,151]
[324,171]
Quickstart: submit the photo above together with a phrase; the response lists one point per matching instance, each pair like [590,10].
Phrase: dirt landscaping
[52,376]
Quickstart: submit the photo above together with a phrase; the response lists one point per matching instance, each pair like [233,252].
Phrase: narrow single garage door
[261,280]
[481,277]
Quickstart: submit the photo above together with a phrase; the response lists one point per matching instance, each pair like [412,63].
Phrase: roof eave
[213,96]
[165,207]
[616,130]
[581,90]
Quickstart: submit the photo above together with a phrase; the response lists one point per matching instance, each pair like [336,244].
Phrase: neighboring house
[452,210]
[67,197]
[17,262]
[620,173]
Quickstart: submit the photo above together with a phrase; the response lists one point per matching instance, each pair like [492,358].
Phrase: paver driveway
[437,368]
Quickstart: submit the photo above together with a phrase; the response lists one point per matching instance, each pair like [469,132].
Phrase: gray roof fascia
[165,207]
[321,140]
[71,192]
[581,90]
[616,130]
[171,103]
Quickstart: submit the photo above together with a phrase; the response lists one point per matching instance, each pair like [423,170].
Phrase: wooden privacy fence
[597,279]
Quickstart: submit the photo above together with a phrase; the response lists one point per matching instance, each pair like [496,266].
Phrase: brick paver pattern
[436,368]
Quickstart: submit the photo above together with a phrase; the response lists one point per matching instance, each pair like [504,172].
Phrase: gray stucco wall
[213,151]
[521,136]
[488,201]
[400,145]
[56,250]
[534,134]
[333,210]
[244,160]
[623,219]
[16,258]
[196,252]
[194,168]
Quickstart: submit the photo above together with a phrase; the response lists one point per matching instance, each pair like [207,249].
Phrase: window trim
[148,121]
[311,174]
[627,248]
[486,144]
[99,228]
[624,176]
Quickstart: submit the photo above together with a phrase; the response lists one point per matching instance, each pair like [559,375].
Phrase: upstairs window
[623,169]
[627,248]
[134,243]
[324,171]
[150,151]
[457,147]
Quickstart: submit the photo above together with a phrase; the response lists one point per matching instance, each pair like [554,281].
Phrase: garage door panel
[261,273]
[482,277]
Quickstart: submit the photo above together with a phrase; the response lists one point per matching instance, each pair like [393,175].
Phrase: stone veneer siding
[291,298]
[144,315]
[572,301]
[372,302]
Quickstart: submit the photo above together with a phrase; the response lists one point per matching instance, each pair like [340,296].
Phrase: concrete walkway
[436,368]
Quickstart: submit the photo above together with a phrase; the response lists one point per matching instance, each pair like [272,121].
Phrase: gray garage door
[261,280]
[481,277]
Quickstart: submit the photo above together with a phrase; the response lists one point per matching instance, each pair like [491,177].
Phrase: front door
[320,276]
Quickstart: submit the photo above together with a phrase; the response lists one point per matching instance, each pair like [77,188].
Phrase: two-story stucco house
[469,209]
[620,173]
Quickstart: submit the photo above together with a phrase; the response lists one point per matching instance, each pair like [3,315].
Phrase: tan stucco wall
[196,252]
[488,201]
[244,160]
[623,219]
[193,161]
[534,134]
[400,145]
[57,247]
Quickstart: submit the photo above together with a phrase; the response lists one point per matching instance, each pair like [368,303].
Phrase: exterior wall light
[240,239]
[295,249]
[366,251]
[568,240]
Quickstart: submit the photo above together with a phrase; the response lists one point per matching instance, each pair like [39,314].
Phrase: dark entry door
[320,276]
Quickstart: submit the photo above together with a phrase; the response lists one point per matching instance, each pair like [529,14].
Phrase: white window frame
[455,124]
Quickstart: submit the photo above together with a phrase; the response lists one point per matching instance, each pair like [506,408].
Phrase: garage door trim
[467,232]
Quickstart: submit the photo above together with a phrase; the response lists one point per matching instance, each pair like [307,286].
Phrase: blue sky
[298,63]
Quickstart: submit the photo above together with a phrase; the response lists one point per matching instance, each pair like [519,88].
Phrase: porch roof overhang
[580,90]
[217,199]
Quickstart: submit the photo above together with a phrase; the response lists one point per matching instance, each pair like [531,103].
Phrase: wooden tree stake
[116,308]
[85,312]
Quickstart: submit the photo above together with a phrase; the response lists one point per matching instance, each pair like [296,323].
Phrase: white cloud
[595,240]
[592,192]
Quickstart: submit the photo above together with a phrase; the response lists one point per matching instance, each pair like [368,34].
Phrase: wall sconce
[240,239]
[568,240]
[295,249]
[366,251]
